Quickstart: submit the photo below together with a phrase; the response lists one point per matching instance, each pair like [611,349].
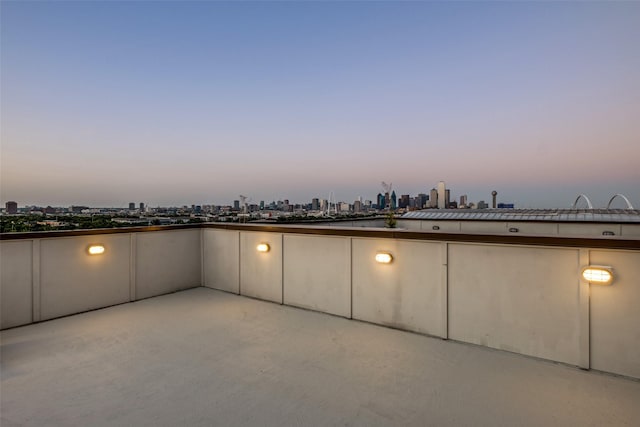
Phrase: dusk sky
[172,103]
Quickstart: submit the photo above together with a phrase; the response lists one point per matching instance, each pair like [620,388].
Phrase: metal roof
[550,215]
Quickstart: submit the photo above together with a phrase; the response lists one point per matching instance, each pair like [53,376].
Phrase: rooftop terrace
[206,357]
[489,328]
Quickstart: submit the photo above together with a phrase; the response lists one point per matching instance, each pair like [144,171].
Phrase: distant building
[261,205]
[463,201]
[482,205]
[404,201]
[506,206]
[433,198]
[393,200]
[447,198]
[11,207]
[357,206]
[132,206]
[78,209]
[421,201]
[141,207]
[381,201]
[236,205]
[441,195]
[315,204]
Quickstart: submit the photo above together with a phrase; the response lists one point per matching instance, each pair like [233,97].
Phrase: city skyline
[198,102]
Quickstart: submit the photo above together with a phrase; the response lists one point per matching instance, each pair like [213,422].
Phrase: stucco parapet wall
[610,242]
[94,231]
[509,239]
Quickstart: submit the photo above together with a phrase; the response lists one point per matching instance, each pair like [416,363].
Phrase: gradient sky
[173,103]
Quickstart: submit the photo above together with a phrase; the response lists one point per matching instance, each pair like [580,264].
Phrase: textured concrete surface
[204,357]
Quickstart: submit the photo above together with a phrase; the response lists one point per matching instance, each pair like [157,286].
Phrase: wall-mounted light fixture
[608,233]
[384,258]
[513,230]
[435,227]
[598,274]
[263,247]
[95,249]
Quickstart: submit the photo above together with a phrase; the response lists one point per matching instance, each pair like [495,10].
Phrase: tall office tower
[132,206]
[261,205]
[12,207]
[433,198]
[381,201]
[441,195]
[494,193]
[236,205]
[463,201]
[357,206]
[315,204]
[447,198]
[393,200]
[404,201]
[421,201]
[141,207]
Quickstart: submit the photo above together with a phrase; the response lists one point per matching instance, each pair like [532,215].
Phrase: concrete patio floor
[205,357]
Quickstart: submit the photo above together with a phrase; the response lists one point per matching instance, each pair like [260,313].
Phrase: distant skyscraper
[132,206]
[421,201]
[494,193]
[433,198]
[381,201]
[357,206]
[482,205]
[447,198]
[441,195]
[404,201]
[236,204]
[463,200]
[315,204]
[141,207]
[394,200]
[12,207]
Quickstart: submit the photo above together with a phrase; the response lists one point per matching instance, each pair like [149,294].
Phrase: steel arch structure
[623,197]
[582,196]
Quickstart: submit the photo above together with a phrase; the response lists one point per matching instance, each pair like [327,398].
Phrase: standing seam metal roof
[551,215]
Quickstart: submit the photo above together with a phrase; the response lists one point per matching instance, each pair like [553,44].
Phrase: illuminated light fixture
[435,227]
[384,258]
[599,274]
[95,250]
[513,230]
[608,233]
[263,247]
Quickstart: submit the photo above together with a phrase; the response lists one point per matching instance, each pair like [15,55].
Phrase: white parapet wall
[16,278]
[509,292]
[524,298]
[48,277]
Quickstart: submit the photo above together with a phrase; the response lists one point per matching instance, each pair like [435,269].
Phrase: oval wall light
[263,247]
[95,249]
[599,274]
[384,258]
